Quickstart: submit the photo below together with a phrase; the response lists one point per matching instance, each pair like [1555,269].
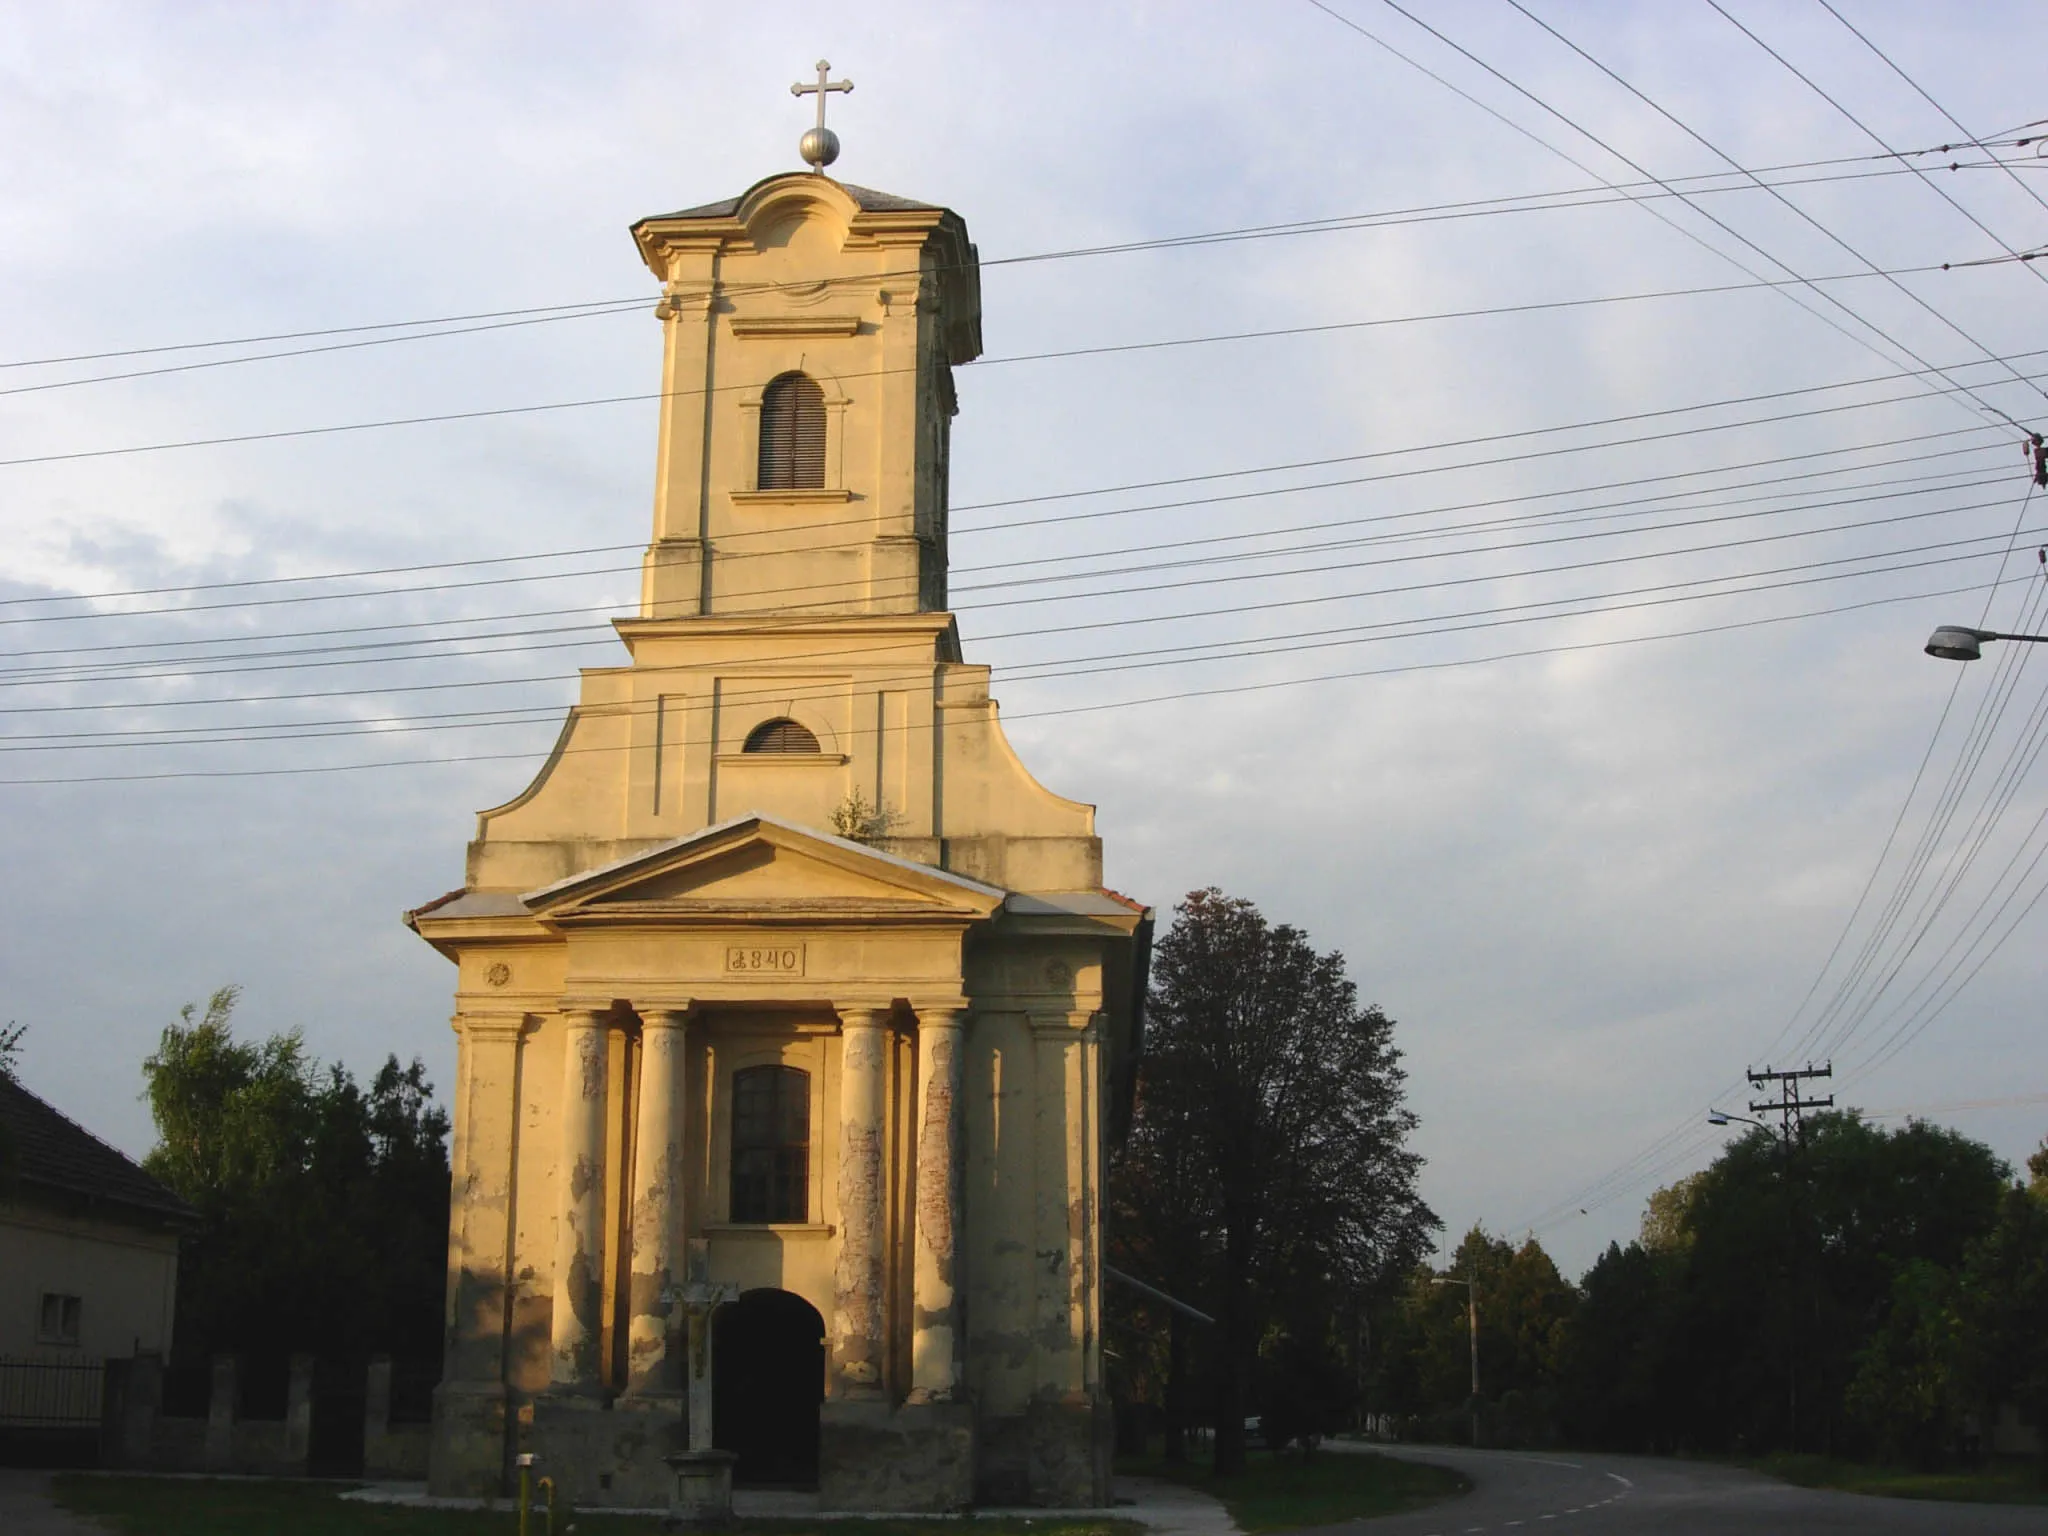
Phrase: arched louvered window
[792,435]
[771,1144]
[783,735]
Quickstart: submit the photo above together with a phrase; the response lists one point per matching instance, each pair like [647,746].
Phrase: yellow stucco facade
[856,1087]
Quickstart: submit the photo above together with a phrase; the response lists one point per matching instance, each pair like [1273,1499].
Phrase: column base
[1054,1455]
[700,1487]
[917,1458]
[468,1453]
[608,1455]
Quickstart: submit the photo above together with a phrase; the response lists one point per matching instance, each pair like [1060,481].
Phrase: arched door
[767,1382]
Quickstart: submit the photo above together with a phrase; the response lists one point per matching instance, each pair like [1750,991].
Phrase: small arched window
[782,735]
[792,435]
[771,1144]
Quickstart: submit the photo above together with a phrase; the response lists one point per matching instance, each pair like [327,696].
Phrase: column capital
[941,1012]
[1076,1025]
[863,1015]
[494,1024]
[585,1012]
[664,1015]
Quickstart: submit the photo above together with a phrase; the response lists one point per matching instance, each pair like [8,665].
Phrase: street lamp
[1722,1117]
[1472,1321]
[1958,642]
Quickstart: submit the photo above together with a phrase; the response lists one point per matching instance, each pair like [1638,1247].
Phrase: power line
[1121,704]
[1337,223]
[1480,440]
[1684,1135]
[1890,64]
[641,398]
[1648,596]
[488,682]
[1721,154]
[1626,508]
[355,654]
[1844,1005]
[1719,223]
[1689,234]
[1808,81]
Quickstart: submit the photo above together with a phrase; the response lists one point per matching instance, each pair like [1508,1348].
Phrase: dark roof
[869,199]
[48,1149]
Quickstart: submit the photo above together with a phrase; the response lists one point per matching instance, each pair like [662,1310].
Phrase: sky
[1513,574]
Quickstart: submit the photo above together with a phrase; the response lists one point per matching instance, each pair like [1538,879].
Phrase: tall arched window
[780,735]
[792,435]
[771,1144]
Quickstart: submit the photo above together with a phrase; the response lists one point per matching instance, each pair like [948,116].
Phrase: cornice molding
[813,497]
[795,325]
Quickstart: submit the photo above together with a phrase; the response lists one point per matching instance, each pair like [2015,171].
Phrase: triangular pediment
[760,865]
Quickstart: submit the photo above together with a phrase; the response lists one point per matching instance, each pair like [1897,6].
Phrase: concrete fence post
[220,1416]
[298,1413]
[376,1401]
[130,1439]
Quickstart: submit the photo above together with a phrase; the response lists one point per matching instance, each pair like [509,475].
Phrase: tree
[2004,1308]
[1525,1312]
[323,1208]
[1906,1398]
[1667,1218]
[1791,1270]
[1268,1159]
[1613,1377]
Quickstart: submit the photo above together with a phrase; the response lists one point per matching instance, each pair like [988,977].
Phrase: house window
[783,735]
[792,435]
[771,1144]
[59,1319]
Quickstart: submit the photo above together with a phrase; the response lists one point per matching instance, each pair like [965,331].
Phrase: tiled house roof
[48,1152]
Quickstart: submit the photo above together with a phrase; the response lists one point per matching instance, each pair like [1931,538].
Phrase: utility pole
[1472,1323]
[1789,1106]
[1790,1109]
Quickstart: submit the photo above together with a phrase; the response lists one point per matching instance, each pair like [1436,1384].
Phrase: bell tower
[811,332]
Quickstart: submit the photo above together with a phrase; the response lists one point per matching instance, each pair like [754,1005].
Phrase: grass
[1279,1492]
[2003,1480]
[192,1506]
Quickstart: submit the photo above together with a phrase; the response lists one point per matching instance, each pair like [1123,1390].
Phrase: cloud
[1590,886]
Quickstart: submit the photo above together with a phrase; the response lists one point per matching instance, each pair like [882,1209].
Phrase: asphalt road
[1619,1495]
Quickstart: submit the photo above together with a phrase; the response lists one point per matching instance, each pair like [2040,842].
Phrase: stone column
[935,1343]
[468,1445]
[859,1311]
[480,1214]
[579,1204]
[657,1204]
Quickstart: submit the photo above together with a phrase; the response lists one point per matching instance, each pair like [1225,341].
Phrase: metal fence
[50,1394]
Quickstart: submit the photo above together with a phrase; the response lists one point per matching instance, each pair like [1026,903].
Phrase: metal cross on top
[820,145]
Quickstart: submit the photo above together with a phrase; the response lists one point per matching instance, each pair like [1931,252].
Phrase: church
[794,1020]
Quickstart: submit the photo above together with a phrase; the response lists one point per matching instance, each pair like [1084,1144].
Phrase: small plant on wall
[859,821]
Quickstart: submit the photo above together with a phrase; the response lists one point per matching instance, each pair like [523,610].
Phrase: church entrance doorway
[767,1383]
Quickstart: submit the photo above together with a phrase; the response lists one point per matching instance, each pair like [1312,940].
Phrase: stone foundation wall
[1055,1455]
[606,1455]
[919,1457]
[468,1457]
